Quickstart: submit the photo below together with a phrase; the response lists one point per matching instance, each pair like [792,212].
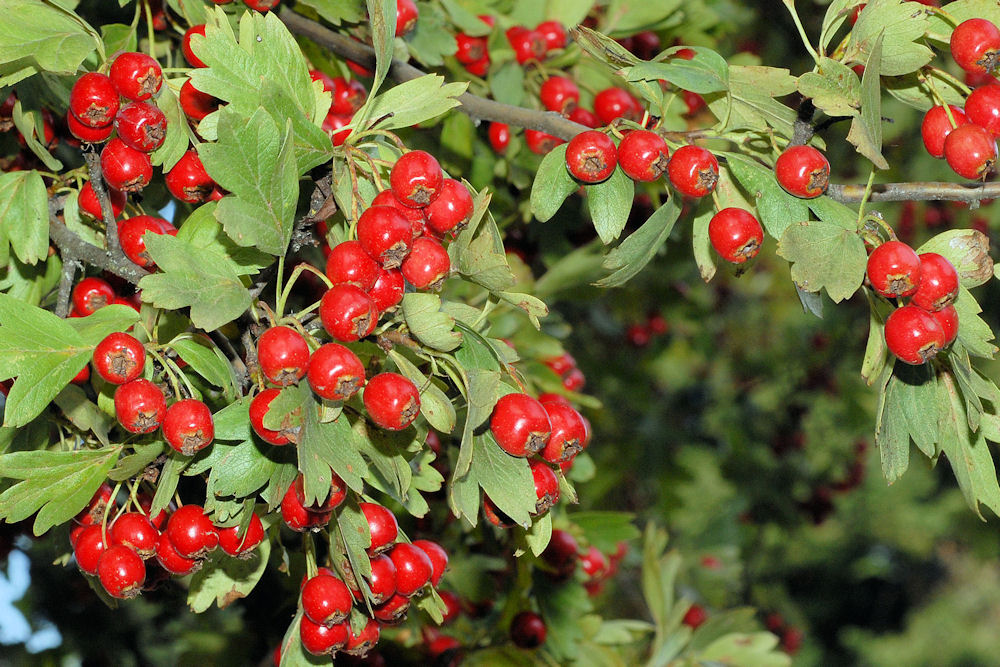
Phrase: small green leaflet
[866,128]
[701,244]
[431,39]
[426,322]
[641,246]
[758,649]
[435,405]
[900,28]
[413,102]
[506,479]
[336,11]
[609,204]
[57,485]
[24,215]
[382,18]
[223,579]
[175,142]
[202,230]
[834,88]
[45,352]
[41,37]
[968,453]
[706,72]
[552,185]
[826,255]
[605,530]
[751,104]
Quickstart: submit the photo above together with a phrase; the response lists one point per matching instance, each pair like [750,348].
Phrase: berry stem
[790,5]
[865,196]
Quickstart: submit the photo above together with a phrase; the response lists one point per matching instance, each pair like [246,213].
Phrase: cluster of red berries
[916,332]
[790,637]
[534,45]
[569,373]
[473,51]
[639,334]
[347,98]
[116,552]
[563,556]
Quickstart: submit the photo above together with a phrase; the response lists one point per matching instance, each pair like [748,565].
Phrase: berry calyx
[122,572]
[935,127]
[125,168]
[591,157]
[894,269]
[335,372]
[283,355]
[91,294]
[735,234]
[975,46]
[188,427]
[359,644]
[546,487]
[386,235]
[347,313]
[643,155]
[94,100]
[413,568]
[191,532]
[381,525]
[693,171]
[141,126]
[428,264]
[520,425]
[349,263]
[937,286]
[140,406]
[569,432]
[241,545]
[416,179]
[391,401]
[971,151]
[528,630]
[802,171]
[258,408]
[913,335]
[136,76]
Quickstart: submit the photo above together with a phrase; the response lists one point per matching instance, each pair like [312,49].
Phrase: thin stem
[97,183]
[865,196]
[790,4]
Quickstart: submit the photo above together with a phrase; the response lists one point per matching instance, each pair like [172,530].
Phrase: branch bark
[969,193]
[76,249]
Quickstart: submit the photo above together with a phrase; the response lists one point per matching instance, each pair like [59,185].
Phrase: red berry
[554,34]
[96,508]
[188,426]
[591,157]
[541,143]
[334,498]
[528,45]
[643,155]
[947,317]
[359,644]
[382,581]
[413,568]
[258,408]
[191,532]
[971,151]
[92,293]
[415,216]
[283,355]
[90,205]
[235,544]
[125,168]
[802,171]
[695,616]
[188,180]
[135,531]
[416,179]
[562,364]
[936,127]
[735,234]
[562,552]
[613,103]
[559,94]
[318,639]
[546,487]
[585,117]
[131,233]
[381,525]
[894,269]
[527,630]
[347,313]
[938,283]
[494,515]
[392,611]
[406,16]
[982,107]
[196,104]
[348,96]
[391,401]
[388,290]
[499,134]
[428,264]
[693,171]
[333,124]
[136,76]
[453,606]
[335,372]
[189,55]
[385,235]
[451,210]
[259,5]
[349,263]
[89,135]
[975,46]
[141,126]
[139,406]
[574,380]
[93,100]
[470,49]
[520,425]
[297,517]
[438,557]
[569,432]
[326,600]
[913,335]
[89,548]
[122,572]
[595,564]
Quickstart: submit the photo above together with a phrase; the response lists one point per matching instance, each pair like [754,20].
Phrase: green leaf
[834,88]
[193,277]
[45,352]
[902,27]
[777,209]
[481,257]
[119,37]
[206,360]
[537,537]
[707,72]
[414,101]
[43,38]
[968,250]
[253,159]
[431,38]
[605,530]
[83,414]
[836,14]
[534,307]
[336,11]
[326,446]
[133,464]
[202,230]
[641,246]
[967,452]
[166,483]
[507,82]
[759,649]
[424,319]
[506,479]
[175,142]
[630,16]
[702,244]
[824,255]
[866,129]
[57,485]
[750,103]
[24,215]
[552,184]
[223,579]
[973,332]
[876,351]
[382,21]
[609,204]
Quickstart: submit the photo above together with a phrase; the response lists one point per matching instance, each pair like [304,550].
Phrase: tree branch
[969,193]
[93,159]
[75,248]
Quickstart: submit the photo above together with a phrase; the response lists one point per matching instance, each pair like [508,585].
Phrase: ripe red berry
[335,497]
[894,269]
[361,643]
[494,515]
[171,561]
[982,107]
[348,96]
[562,552]
[188,180]
[140,406]
[96,508]
[388,290]
[693,171]
[416,179]
[188,426]
[333,124]
[936,127]
[499,134]
[528,45]
[802,171]
[554,34]
[347,313]
[413,568]
[937,286]
[125,168]
[595,564]
[913,335]
[335,372]
[349,263]
[415,216]
[93,100]
[89,548]
[88,135]
[574,380]
[527,630]
[391,401]
[90,205]
[235,544]
[735,234]
[131,233]
[135,531]
[318,639]
[382,581]
[283,355]
[92,293]
[385,235]
[141,126]
[971,151]
[520,425]
[947,317]
[975,46]
[136,76]
[438,557]
[428,264]
[451,210]
[189,55]
[122,572]
[381,525]
[191,532]
[470,49]
[591,157]
[196,104]
[258,408]
[326,600]
[569,432]
[559,94]
[546,486]
[643,155]
[585,117]
[695,616]
[258,5]
[613,103]
[297,516]
[392,611]
[541,143]
[406,16]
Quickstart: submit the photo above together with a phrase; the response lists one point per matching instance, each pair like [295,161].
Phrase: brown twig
[70,265]
[71,245]
[93,159]
[969,193]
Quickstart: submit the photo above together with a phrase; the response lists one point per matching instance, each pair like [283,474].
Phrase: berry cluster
[916,332]
[569,373]
[347,98]
[534,45]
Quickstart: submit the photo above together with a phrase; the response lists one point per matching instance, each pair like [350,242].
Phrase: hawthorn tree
[276,289]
